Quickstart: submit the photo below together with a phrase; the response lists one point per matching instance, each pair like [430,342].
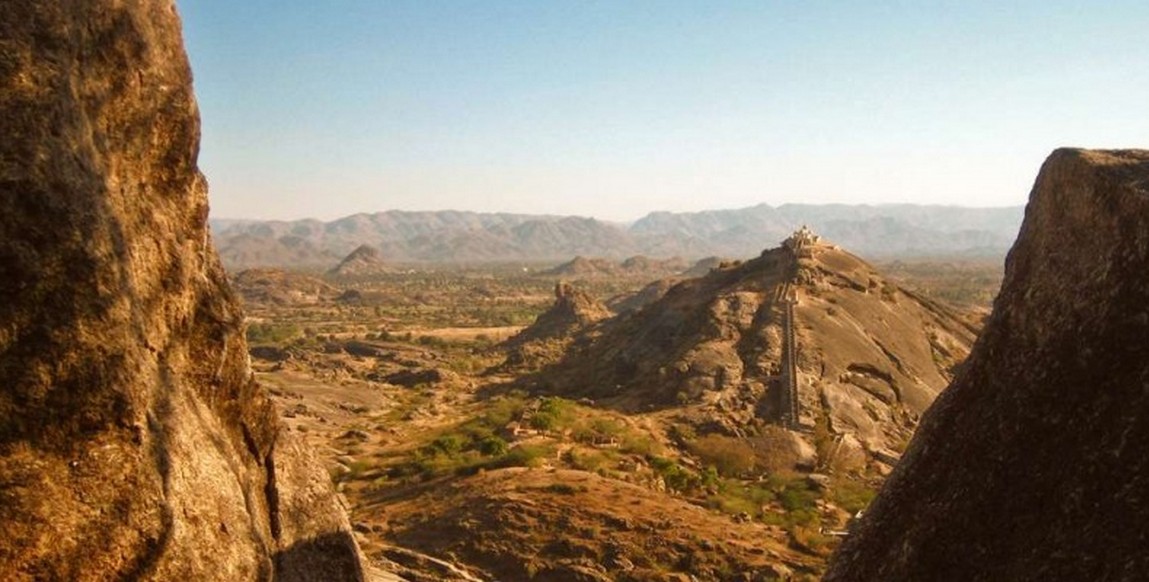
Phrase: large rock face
[1033,465]
[133,440]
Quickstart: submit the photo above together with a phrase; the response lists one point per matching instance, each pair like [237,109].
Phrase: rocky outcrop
[364,261]
[547,339]
[870,355]
[1032,465]
[572,311]
[134,443]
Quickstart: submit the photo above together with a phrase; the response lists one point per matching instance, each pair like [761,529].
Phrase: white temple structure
[802,237]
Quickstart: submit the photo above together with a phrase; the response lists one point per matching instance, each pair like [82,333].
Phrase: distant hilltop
[881,231]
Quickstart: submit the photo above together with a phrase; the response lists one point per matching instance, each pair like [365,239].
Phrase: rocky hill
[869,356]
[364,261]
[573,311]
[583,267]
[878,231]
[1031,466]
[134,443]
[277,287]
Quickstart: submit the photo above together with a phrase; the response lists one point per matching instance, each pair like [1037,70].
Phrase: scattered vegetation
[452,430]
[259,334]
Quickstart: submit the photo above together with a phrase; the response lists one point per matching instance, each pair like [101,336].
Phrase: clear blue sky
[616,108]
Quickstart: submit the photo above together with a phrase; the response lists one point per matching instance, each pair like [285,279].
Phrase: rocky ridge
[1031,465]
[454,236]
[134,443]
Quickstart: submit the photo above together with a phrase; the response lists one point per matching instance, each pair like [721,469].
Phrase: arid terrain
[462,396]
[452,407]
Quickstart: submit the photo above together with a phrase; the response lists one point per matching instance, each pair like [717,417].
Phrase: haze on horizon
[617,109]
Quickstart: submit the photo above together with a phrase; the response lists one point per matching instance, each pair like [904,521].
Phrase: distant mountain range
[883,231]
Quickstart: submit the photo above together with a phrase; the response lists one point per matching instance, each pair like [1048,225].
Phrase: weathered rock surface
[1033,465]
[134,443]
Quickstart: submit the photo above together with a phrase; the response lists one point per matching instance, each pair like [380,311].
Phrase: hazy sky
[616,108]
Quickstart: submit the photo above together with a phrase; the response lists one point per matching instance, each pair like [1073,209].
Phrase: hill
[1031,466]
[364,261]
[577,525]
[452,236]
[273,286]
[583,267]
[868,356]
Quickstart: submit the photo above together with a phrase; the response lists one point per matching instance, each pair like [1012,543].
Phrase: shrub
[561,489]
[775,451]
[597,429]
[639,444]
[591,461]
[709,477]
[675,476]
[502,410]
[553,414]
[797,497]
[735,497]
[852,496]
[448,444]
[527,456]
[732,457]
[493,446]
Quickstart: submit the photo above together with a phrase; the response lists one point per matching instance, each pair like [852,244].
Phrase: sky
[613,109]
